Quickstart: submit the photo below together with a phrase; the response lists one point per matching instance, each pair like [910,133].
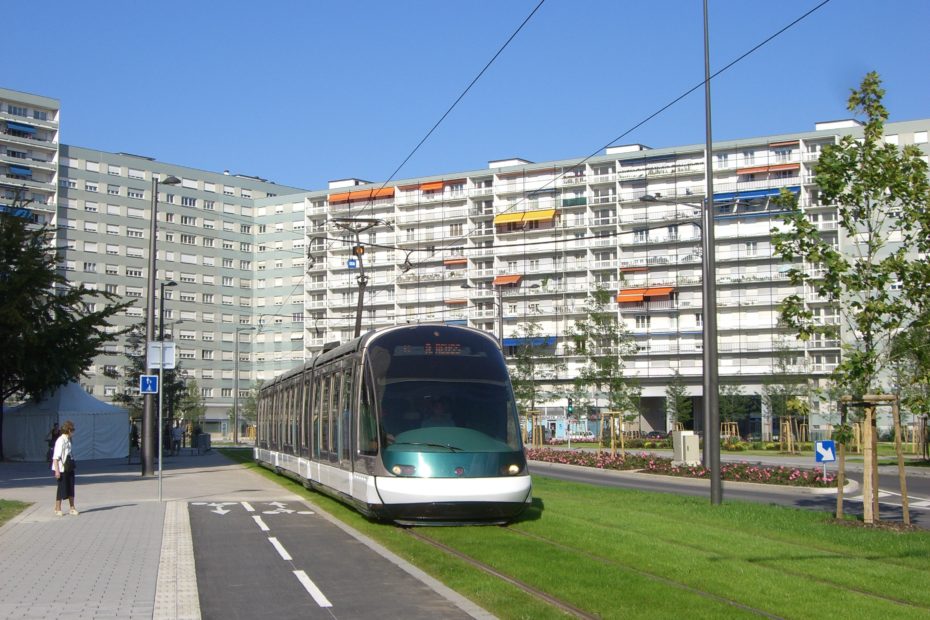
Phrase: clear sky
[303,92]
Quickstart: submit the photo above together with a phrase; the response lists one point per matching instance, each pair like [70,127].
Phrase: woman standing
[63,466]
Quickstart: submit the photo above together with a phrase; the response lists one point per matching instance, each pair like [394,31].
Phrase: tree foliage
[50,329]
[678,403]
[603,341]
[734,404]
[534,366]
[878,188]
[192,404]
[172,381]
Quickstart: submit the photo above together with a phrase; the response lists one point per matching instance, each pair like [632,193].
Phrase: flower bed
[652,464]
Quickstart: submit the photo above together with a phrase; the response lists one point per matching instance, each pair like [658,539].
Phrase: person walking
[63,466]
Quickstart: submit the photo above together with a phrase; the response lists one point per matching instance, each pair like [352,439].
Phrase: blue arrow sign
[352,263]
[148,384]
[825,451]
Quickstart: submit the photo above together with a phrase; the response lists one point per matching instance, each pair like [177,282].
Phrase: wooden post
[868,514]
[902,478]
[841,465]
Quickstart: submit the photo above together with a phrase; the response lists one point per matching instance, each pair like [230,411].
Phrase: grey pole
[710,400]
[148,408]
[161,375]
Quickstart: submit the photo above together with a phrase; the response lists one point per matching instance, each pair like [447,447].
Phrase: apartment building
[273,272]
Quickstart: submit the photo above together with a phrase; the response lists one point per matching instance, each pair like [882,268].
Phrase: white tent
[101,430]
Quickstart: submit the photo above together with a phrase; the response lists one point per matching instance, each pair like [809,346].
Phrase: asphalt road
[279,560]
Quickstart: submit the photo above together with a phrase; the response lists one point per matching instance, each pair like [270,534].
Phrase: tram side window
[345,428]
[315,414]
[303,425]
[367,424]
[336,415]
[325,445]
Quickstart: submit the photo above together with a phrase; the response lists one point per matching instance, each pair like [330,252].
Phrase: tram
[414,424]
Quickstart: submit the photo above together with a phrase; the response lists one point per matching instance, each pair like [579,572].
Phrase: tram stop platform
[129,555]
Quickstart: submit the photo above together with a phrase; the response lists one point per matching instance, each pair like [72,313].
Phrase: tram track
[568,607]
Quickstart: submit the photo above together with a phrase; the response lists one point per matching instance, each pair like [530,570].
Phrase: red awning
[506,280]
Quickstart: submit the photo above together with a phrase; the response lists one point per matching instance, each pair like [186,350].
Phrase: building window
[133,273]
[642,321]
[187,201]
[135,193]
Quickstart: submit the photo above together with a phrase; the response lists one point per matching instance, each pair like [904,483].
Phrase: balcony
[578,201]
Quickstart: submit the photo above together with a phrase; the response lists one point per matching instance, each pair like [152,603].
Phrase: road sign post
[148,384]
[825,452]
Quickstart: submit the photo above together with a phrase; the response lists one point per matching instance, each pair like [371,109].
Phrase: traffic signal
[571,406]
[358,250]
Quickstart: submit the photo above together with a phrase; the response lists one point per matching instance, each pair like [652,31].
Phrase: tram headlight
[513,469]
[404,470]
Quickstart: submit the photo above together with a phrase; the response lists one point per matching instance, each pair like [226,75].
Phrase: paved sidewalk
[125,555]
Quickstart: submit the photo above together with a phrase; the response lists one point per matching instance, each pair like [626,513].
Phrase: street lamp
[236,385]
[148,413]
[161,376]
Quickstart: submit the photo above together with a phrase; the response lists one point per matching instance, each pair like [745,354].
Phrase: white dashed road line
[281,550]
[311,588]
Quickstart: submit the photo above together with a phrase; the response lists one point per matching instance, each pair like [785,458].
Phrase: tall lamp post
[161,376]
[236,385]
[148,408]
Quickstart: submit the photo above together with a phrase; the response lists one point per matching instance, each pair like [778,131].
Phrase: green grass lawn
[9,509]
[620,553]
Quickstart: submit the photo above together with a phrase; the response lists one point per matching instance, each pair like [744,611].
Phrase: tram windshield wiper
[447,446]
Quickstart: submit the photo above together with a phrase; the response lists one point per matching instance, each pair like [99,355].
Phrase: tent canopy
[101,430]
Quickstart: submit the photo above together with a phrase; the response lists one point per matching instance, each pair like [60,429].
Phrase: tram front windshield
[443,389]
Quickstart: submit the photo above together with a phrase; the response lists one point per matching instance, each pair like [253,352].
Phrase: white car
[581,436]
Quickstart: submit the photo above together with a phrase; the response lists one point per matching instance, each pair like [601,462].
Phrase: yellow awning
[525,216]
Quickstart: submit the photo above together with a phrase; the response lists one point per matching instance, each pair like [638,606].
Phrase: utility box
[686,448]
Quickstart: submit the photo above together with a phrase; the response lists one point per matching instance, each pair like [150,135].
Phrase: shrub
[650,463]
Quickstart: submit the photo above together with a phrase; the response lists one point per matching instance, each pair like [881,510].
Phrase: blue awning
[533,342]
[20,127]
[756,193]
[17,211]
[20,171]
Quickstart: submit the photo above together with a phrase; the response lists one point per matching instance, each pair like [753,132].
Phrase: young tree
[248,408]
[734,404]
[878,188]
[192,405]
[534,365]
[50,330]
[678,403]
[172,381]
[602,339]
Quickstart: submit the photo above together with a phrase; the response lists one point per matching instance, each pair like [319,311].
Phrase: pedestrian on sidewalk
[63,466]
[177,434]
[51,438]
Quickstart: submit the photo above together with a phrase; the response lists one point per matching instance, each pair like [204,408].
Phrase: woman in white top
[63,466]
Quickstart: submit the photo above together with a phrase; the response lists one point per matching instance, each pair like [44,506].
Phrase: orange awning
[632,269]
[456,301]
[506,280]
[753,170]
[361,195]
[658,291]
[630,295]
[431,186]
[786,143]
[455,261]
[775,168]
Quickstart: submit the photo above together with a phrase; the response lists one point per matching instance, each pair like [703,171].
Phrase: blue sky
[305,92]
